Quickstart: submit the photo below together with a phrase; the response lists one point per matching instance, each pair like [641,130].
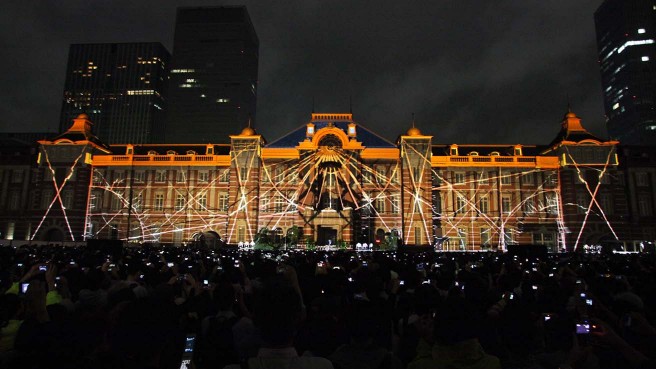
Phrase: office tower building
[213,83]
[626,30]
[121,87]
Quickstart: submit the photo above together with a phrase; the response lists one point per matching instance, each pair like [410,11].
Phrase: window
[159,202]
[552,179]
[97,176]
[528,179]
[202,201]
[223,202]
[485,236]
[139,176]
[367,175]
[278,204]
[243,173]
[14,200]
[224,176]
[417,236]
[137,202]
[118,177]
[395,204]
[380,175]
[606,203]
[551,202]
[459,178]
[642,179]
[17,176]
[644,206]
[68,199]
[180,176]
[460,204]
[241,234]
[436,179]
[179,201]
[380,203]
[484,205]
[116,201]
[508,238]
[483,179]
[203,176]
[94,202]
[46,198]
[581,203]
[528,207]
[506,178]
[160,176]
[505,205]
[264,204]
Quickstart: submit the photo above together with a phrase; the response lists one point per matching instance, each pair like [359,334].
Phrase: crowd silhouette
[166,307]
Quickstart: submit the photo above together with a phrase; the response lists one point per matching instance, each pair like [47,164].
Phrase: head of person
[277,312]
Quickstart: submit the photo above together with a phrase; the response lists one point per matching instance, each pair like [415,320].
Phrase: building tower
[626,30]
[121,87]
[213,85]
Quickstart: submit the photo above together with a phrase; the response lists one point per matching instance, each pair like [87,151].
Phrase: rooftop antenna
[413,120]
[569,106]
[312,104]
[350,104]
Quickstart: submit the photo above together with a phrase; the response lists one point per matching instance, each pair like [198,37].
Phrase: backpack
[216,346]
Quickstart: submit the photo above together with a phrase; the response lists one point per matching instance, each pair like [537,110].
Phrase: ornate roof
[341,121]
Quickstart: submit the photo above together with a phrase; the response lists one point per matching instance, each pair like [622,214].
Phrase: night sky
[471,71]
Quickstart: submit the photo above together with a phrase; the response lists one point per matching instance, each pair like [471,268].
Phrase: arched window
[330,140]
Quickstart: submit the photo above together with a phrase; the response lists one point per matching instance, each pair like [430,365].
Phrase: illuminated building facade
[332,181]
[626,30]
[121,87]
[213,85]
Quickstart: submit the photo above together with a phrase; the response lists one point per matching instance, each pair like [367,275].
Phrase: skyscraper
[121,87]
[213,84]
[626,30]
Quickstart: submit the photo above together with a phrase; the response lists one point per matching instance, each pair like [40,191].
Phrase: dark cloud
[471,71]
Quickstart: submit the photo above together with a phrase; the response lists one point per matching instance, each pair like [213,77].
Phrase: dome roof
[82,116]
[570,115]
[414,131]
[248,131]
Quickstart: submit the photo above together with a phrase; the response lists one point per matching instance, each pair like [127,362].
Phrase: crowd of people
[166,307]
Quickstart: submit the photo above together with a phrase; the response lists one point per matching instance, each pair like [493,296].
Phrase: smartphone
[43,268]
[20,265]
[420,266]
[24,287]
[535,287]
[547,317]
[170,265]
[588,302]
[188,353]
[512,296]
[236,263]
[206,283]
[364,264]
[583,327]
[401,283]
[320,264]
